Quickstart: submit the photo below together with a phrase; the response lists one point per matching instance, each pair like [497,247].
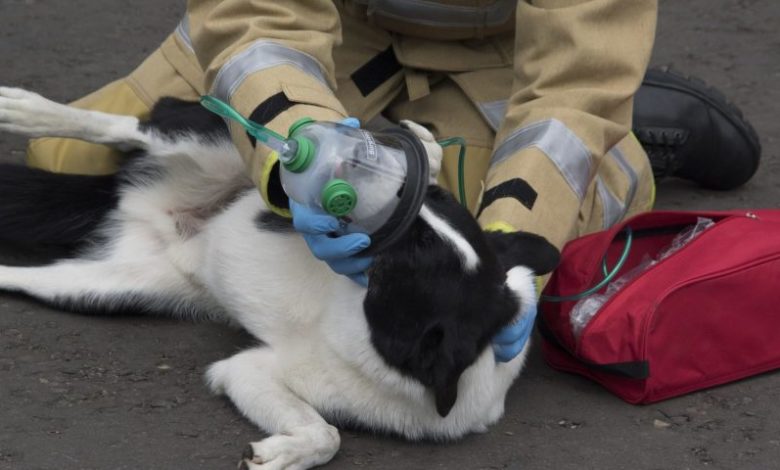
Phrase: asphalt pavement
[84,392]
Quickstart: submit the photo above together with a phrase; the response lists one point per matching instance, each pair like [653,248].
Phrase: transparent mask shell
[374,164]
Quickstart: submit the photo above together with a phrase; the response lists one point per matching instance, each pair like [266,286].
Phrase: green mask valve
[338,198]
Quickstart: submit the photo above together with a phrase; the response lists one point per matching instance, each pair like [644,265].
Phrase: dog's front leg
[30,114]
[300,437]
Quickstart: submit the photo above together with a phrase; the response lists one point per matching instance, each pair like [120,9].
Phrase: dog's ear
[524,249]
[446,395]
[443,373]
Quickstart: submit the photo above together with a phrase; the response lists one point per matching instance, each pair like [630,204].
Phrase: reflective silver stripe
[428,13]
[494,112]
[183,31]
[259,56]
[567,151]
[633,179]
[611,205]
[614,209]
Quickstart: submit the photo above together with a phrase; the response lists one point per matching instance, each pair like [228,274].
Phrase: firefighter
[543,91]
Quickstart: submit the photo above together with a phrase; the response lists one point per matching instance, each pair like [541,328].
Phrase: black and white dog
[182,231]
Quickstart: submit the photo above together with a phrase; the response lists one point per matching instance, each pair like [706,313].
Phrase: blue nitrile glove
[339,252]
[508,343]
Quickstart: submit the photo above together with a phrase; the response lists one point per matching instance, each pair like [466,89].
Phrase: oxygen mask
[373,182]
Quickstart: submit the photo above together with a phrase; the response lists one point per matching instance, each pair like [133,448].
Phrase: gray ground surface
[81,392]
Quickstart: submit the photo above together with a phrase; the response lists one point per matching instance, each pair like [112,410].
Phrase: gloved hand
[338,251]
[508,343]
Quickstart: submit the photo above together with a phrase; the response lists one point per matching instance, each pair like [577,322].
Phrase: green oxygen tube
[286,148]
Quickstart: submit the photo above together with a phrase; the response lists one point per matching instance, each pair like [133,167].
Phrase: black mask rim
[412,195]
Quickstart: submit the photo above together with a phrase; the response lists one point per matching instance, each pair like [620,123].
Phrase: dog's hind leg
[26,113]
[300,437]
[109,286]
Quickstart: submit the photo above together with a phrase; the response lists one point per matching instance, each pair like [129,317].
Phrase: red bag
[707,314]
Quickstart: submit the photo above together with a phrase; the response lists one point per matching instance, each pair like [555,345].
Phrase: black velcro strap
[376,71]
[268,110]
[515,188]
[633,369]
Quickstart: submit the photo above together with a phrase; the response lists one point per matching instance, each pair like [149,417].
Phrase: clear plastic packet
[585,309]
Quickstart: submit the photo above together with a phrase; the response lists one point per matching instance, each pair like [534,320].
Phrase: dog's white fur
[318,359]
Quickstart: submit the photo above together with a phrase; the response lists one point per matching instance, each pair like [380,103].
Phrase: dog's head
[438,296]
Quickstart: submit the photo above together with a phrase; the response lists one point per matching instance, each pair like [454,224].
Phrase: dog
[182,231]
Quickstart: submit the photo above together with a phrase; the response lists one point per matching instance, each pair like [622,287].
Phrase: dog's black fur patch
[39,207]
[172,116]
[270,222]
[536,253]
[429,318]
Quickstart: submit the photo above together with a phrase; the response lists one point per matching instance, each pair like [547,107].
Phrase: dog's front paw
[432,148]
[302,448]
[27,113]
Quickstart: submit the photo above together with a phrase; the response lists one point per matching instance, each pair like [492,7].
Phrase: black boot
[690,130]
